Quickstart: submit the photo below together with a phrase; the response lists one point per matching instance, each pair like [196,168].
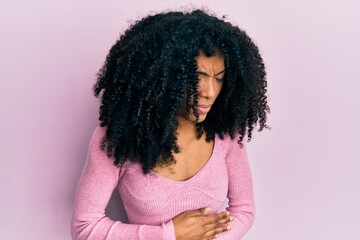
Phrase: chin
[202,118]
[192,118]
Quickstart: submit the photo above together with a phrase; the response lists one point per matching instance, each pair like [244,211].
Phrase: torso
[159,196]
[189,161]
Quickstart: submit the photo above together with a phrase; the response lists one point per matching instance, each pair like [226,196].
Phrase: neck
[186,132]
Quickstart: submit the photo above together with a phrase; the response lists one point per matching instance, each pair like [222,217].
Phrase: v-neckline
[214,150]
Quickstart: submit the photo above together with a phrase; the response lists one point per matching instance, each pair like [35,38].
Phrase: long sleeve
[97,183]
[240,192]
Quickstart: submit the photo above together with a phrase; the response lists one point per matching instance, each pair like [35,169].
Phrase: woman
[179,93]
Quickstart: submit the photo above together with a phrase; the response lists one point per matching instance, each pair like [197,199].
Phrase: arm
[240,193]
[98,181]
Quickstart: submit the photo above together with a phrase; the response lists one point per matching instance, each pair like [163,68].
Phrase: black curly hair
[151,70]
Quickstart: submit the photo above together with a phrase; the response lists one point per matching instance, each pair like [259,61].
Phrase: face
[211,72]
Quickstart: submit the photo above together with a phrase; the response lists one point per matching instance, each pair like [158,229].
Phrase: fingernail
[216,236]
[228,228]
[207,209]
[227,213]
[231,218]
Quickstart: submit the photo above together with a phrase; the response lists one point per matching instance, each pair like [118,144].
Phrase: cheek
[219,88]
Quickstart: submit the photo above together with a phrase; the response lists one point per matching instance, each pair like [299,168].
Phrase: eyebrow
[204,73]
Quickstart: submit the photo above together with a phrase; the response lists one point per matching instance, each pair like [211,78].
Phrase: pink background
[306,169]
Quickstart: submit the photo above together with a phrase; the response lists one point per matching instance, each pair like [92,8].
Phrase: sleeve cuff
[169,231]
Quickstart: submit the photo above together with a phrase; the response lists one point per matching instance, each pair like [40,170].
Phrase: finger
[211,238]
[214,237]
[220,223]
[215,232]
[217,217]
[206,210]
[200,211]
[225,220]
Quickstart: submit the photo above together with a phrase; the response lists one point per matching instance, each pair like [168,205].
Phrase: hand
[199,225]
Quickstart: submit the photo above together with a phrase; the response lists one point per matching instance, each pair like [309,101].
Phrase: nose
[207,88]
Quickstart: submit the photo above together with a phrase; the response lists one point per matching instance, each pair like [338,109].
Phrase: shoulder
[229,146]
[97,136]
[94,151]
[228,141]
[99,156]
[99,132]
[234,154]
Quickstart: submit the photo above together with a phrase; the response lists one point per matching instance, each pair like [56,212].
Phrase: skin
[194,153]
[197,224]
[211,71]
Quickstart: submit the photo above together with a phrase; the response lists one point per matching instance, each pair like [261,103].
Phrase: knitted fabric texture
[152,201]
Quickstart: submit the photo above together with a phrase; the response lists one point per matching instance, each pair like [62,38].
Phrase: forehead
[212,64]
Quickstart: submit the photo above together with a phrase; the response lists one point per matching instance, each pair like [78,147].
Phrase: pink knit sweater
[152,201]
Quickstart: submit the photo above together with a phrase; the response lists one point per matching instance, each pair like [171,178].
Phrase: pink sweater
[152,201]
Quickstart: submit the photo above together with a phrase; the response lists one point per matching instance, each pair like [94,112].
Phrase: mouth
[203,109]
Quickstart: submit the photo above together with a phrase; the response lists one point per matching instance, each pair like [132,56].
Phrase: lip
[203,109]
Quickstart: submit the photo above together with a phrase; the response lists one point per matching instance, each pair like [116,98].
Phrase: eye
[219,79]
[201,74]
